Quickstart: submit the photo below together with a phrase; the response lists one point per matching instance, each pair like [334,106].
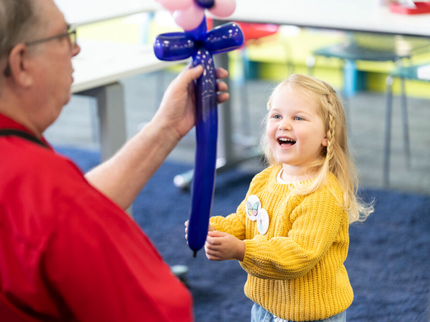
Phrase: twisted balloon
[201,44]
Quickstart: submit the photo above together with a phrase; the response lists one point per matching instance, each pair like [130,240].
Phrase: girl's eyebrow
[303,111]
[297,111]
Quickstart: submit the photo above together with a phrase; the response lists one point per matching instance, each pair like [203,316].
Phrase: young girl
[291,232]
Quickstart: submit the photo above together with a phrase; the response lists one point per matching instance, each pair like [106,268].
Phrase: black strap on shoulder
[22,134]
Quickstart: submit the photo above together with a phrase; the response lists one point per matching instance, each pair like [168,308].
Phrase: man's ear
[18,65]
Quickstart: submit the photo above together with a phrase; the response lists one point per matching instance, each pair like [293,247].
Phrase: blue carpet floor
[388,262]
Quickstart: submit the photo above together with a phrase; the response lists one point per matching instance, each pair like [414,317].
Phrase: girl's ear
[324,141]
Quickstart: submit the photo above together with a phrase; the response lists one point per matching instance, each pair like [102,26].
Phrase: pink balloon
[190,18]
[175,4]
[223,8]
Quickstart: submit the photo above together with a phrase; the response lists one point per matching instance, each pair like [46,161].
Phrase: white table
[353,15]
[83,12]
[98,68]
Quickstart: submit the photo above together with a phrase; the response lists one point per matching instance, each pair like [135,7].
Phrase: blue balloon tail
[205,161]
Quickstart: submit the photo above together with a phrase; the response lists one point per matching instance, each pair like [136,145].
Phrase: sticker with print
[262,221]
[253,205]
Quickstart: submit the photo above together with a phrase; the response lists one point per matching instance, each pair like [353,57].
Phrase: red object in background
[421,7]
[252,31]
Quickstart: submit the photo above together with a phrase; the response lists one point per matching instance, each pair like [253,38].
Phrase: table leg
[386,162]
[111,112]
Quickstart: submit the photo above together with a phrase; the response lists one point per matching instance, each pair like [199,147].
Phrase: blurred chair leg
[246,120]
[386,161]
[310,64]
[94,122]
[405,124]
[345,96]
[289,60]
[159,88]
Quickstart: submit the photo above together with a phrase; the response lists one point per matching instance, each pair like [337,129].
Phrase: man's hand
[222,246]
[177,109]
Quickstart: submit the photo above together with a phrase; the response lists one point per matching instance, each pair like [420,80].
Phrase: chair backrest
[400,44]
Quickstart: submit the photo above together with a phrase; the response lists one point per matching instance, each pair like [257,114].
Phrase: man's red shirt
[69,253]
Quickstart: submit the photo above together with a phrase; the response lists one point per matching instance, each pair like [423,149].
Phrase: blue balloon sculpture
[201,45]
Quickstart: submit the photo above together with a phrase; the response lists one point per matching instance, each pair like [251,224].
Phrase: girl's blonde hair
[335,157]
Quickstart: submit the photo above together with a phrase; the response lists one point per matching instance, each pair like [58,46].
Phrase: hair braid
[330,137]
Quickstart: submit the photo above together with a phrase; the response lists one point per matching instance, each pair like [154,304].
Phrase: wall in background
[277,56]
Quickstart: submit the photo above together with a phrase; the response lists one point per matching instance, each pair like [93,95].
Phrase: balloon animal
[200,44]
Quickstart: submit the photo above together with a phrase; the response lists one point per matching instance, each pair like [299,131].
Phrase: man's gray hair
[17,19]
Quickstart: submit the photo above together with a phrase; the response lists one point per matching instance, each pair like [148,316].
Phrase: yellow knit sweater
[295,270]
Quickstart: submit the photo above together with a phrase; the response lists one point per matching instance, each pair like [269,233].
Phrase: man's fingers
[221,73]
[223,97]
[221,87]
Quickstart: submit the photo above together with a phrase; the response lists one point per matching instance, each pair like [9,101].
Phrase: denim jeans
[259,314]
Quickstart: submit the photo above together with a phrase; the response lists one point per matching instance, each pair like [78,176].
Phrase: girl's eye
[298,118]
[276,116]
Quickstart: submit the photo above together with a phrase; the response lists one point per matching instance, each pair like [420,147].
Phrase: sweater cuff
[250,248]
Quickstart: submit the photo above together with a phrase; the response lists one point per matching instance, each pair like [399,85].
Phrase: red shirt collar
[8,123]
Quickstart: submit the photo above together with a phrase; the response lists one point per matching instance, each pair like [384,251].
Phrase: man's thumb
[193,73]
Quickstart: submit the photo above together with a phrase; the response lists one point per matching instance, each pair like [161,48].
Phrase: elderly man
[68,251]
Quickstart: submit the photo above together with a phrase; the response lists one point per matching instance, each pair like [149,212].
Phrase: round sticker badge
[253,205]
[262,221]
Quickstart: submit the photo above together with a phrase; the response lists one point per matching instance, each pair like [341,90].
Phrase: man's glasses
[71,33]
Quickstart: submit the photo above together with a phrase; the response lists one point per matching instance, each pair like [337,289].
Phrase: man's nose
[76,50]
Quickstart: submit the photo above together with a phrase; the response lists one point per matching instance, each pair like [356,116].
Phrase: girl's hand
[186,229]
[221,246]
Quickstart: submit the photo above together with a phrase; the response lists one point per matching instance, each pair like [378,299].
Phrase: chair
[403,73]
[370,47]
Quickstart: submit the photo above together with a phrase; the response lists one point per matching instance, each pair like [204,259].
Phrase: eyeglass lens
[72,37]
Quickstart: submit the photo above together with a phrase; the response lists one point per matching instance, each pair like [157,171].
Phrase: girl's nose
[284,126]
